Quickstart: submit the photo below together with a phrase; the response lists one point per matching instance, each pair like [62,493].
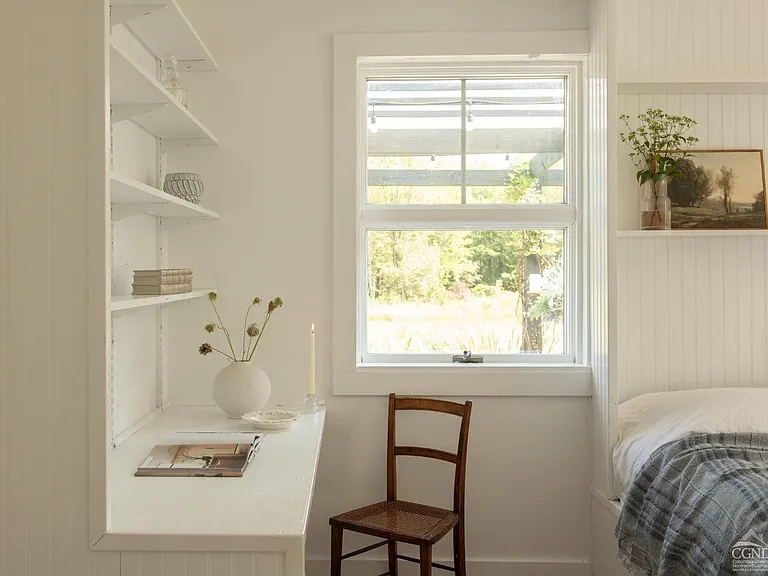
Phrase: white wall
[275,80]
[44,256]
[725,121]
[270,105]
[722,42]
[600,235]
[692,310]
[692,40]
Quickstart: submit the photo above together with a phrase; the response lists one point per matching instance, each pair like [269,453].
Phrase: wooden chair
[400,521]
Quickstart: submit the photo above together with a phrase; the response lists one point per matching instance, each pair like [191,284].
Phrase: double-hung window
[468,220]
[457,224]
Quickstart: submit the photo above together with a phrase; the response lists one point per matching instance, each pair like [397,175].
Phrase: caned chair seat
[404,521]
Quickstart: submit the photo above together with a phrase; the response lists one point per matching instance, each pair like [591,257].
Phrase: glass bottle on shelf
[170,77]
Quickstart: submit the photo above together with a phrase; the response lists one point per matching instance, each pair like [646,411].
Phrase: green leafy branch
[657,143]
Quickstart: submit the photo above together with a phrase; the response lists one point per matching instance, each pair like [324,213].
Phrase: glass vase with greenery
[658,141]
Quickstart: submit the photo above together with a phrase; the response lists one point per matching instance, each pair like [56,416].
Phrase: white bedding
[648,421]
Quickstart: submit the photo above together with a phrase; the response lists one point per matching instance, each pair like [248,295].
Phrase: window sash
[369,69]
[571,312]
[473,216]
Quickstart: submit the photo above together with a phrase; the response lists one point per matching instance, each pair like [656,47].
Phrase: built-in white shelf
[133,302]
[691,233]
[138,96]
[661,87]
[164,29]
[129,197]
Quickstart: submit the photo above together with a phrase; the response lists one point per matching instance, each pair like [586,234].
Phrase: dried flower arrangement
[250,330]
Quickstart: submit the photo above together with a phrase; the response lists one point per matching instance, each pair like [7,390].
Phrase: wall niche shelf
[129,197]
[120,303]
[702,87]
[164,29]
[137,96]
[688,233]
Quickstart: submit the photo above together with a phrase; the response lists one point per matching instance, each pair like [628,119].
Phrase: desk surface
[272,499]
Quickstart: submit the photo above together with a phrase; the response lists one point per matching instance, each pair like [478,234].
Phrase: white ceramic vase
[241,387]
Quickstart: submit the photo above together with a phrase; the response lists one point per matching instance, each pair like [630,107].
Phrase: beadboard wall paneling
[202,564]
[47,106]
[692,40]
[600,236]
[692,312]
[4,289]
[724,121]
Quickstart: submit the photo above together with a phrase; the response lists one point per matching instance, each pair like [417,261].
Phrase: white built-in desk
[264,511]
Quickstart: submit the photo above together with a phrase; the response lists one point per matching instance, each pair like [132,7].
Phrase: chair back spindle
[459,459]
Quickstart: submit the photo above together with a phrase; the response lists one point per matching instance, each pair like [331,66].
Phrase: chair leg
[425,560]
[459,555]
[392,553]
[337,536]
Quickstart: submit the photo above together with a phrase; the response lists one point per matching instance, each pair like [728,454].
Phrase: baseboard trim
[367,567]
[613,506]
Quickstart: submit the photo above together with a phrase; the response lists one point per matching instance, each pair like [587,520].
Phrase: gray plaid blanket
[699,507]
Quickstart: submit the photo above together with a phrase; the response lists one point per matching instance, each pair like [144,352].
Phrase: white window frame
[359,57]
[476,216]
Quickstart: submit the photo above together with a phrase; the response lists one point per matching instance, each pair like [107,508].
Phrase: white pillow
[648,421]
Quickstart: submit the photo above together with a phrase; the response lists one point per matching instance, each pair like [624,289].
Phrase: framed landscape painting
[719,190]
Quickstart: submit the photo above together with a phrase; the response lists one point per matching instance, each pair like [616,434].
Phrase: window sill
[465,380]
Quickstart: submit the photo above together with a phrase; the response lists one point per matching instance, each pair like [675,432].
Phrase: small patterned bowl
[185,185]
[273,419]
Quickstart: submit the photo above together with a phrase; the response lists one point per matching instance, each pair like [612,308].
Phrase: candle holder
[311,403]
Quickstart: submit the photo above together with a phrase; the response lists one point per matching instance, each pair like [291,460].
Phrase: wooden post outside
[531,326]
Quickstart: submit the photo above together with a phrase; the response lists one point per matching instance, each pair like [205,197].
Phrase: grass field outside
[482,324]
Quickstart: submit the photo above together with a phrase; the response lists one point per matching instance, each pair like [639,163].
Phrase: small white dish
[273,419]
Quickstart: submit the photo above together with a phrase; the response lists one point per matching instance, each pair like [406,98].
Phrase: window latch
[467,358]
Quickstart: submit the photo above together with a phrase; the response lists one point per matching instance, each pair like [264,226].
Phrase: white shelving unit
[164,29]
[120,303]
[136,95]
[148,128]
[147,123]
[129,197]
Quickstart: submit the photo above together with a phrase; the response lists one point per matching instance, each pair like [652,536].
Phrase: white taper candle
[312,362]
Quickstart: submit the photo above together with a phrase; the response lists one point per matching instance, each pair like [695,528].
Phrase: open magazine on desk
[218,454]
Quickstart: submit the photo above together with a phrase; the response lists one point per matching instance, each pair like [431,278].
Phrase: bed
[691,473]
[648,421]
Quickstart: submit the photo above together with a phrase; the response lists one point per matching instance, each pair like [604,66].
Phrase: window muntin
[436,218]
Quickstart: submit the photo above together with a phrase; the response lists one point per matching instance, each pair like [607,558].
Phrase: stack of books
[162,282]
